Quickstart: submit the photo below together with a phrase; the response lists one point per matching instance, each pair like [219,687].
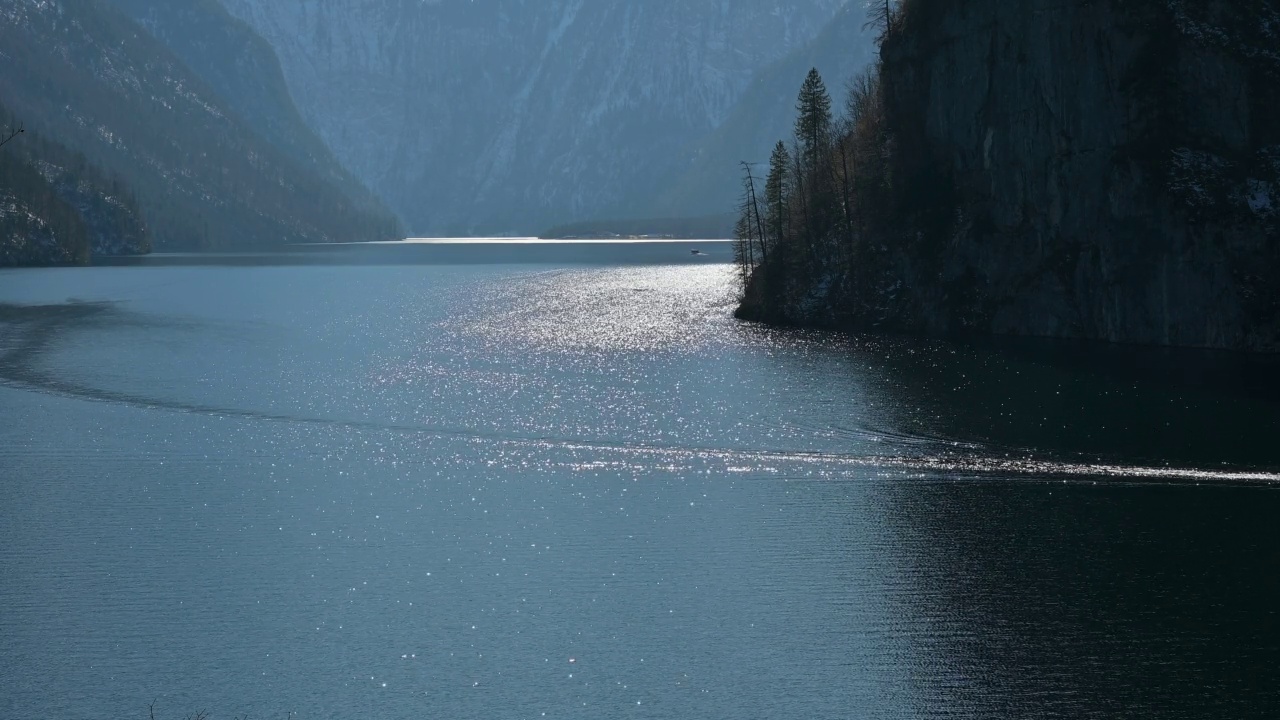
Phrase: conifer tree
[825,191]
[813,187]
[777,194]
[813,123]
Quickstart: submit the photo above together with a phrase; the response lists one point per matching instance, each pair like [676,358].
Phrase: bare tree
[883,16]
[13,133]
[755,218]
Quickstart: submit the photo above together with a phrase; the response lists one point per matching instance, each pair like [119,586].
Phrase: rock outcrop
[1105,170]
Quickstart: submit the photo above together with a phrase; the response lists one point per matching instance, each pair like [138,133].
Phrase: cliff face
[1106,170]
[510,115]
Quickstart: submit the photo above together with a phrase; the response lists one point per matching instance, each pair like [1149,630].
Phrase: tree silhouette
[883,16]
[749,231]
[13,133]
[813,123]
[777,195]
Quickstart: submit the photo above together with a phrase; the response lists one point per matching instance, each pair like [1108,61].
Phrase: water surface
[583,491]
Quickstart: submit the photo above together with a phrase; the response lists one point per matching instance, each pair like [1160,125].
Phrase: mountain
[513,115]
[764,115]
[241,67]
[90,78]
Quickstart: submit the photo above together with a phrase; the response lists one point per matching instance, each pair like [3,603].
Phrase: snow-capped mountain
[506,115]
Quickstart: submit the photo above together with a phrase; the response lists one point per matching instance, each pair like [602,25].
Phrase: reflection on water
[411,490]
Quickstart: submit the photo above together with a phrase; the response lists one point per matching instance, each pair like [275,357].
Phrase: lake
[374,483]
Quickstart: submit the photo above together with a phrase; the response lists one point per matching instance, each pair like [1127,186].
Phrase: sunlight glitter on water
[624,310]
[310,473]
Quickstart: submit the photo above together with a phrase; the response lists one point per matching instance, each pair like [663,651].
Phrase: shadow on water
[1237,374]
[1068,602]
[1070,402]
[1149,405]
[1077,600]
[29,333]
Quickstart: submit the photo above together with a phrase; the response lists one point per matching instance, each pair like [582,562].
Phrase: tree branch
[12,134]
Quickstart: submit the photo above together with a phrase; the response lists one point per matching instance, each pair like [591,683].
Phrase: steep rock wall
[1102,170]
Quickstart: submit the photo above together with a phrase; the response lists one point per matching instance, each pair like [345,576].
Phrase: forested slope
[87,76]
[56,209]
[243,70]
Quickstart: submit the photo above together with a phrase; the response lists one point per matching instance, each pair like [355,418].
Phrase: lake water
[445,488]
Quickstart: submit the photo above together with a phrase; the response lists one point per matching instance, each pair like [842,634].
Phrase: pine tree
[777,194]
[813,124]
[813,187]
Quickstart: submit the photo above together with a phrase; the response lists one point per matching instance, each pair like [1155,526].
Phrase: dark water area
[394,487]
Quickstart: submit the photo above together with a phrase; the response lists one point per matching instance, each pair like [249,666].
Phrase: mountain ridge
[505,116]
[242,68]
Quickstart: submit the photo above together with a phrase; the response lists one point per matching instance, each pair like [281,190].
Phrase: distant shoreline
[527,241]
[452,251]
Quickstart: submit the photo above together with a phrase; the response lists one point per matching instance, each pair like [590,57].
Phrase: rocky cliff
[1104,170]
[509,115]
